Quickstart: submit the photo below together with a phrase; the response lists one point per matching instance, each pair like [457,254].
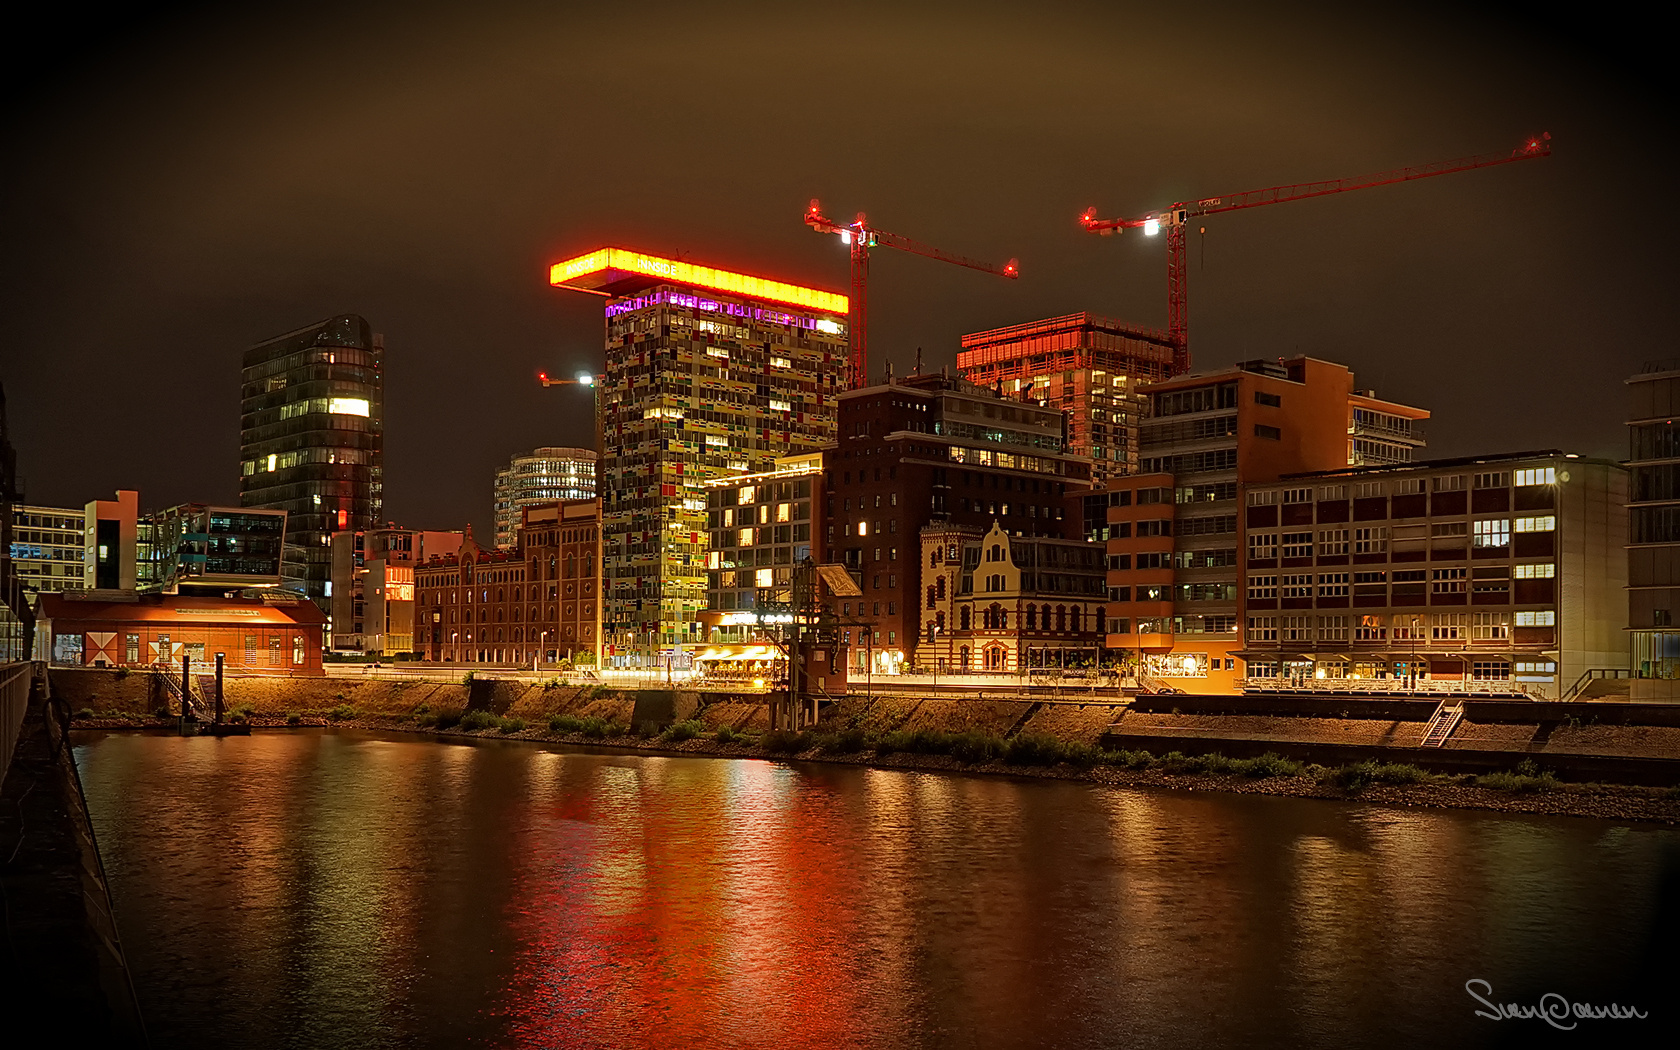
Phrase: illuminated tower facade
[312,440]
[540,476]
[708,374]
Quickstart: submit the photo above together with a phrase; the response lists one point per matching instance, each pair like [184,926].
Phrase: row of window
[1490,533]
[1435,627]
[1453,580]
[1403,486]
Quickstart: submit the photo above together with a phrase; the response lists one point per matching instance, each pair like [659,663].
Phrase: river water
[357,889]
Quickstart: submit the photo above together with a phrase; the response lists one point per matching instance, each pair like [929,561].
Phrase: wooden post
[219,657]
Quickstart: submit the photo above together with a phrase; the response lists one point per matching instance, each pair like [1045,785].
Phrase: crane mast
[1175,218]
[862,237]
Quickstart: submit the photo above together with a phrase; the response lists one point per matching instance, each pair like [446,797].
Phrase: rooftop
[620,271]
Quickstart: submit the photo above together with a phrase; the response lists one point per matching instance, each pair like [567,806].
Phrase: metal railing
[1592,674]
[1392,686]
[14,699]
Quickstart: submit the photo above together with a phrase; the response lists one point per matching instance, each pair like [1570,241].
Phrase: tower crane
[862,237]
[1176,218]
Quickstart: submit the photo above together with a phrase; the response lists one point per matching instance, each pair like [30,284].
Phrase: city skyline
[1437,292]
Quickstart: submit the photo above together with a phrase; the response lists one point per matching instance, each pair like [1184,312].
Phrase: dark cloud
[189,181]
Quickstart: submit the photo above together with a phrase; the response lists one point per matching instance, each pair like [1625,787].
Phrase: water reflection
[347,889]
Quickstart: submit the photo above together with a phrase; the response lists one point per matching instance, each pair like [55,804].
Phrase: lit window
[1492,534]
[1536,572]
[1542,523]
[1545,618]
[347,406]
[1537,476]
[764,577]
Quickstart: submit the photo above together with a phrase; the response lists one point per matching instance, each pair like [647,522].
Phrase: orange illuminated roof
[619,271]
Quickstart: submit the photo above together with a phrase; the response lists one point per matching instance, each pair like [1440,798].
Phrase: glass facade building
[312,439]
[540,476]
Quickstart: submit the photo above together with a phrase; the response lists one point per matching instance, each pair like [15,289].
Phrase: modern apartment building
[312,439]
[197,549]
[110,543]
[1003,603]
[536,603]
[760,526]
[934,448]
[1174,535]
[1653,607]
[373,587]
[1501,569]
[47,547]
[708,374]
[1090,367]
[540,476]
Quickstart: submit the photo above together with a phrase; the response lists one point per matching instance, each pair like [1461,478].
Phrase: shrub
[86,712]
[245,710]
[476,720]
[448,719]
[785,742]
[294,719]
[1526,777]
[467,679]
[850,741]
[1398,773]
[726,735]
[511,725]
[680,731]
[974,746]
[341,713]
[236,718]
[565,724]
[1352,778]
[1270,765]
[423,709]
[1033,749]
[163,712]
[122,672]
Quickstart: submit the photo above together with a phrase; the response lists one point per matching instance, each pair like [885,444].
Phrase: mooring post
[219,657]
[186,686]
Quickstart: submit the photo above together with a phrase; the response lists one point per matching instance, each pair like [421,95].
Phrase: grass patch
[86,712]
[341,713]
[785,742]
[726,735]
[511,725]
[480,719]
[594,727]
[293,718]
[1525,778]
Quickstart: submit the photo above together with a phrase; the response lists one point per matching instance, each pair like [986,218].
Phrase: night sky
[191,181]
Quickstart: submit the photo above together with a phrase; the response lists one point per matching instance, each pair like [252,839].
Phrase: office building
[761,526]
[47,547]
[1653,607]
[312,439]
[539,602]
[1173,531]
[1509,570]
[373,597]
[110,543]
[198,549]
[708,373]
[933,448]
[1090,367]
[540,476]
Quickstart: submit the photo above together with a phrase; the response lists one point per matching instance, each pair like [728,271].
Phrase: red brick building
[539,601]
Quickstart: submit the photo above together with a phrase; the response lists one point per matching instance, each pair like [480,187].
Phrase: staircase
[1442,723]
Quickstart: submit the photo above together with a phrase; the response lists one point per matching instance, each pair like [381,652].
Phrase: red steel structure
[1176,218]
[862,237]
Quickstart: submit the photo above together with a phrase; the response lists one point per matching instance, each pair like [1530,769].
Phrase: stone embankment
[1116,740]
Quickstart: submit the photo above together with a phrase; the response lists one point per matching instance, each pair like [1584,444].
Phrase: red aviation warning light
[861,237]
[1177,218]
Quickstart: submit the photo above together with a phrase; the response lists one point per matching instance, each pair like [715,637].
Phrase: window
[1448,483]
[1261,430]
[1447,627]
[1448,581]
[1490,670]
[1367,489]
[1262,546]
[1333,585]
[1332,628]
[1262,628]
[1408,486]
[1295,629]
[1537,476]
[1493,533]
[1297,495]
[1297,545]
[1154,528]
[1494,480]
[1161,560]
[1544,618]
[1542,523]
[1453,529]
[1370,629]
[1269,400]
[1298,586]
[1491,627]
[1263,498]
[1332,542]
[1542,667]
[1544,571]
[1333,492]
[1262,587]
[1373,540]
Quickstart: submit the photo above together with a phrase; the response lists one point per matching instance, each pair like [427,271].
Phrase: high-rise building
[922,449]
[1089,366]
[767,524]
[708,373]
[540,476]
[196,549]
[1174,530]
[312,438]
[47,547]
[1654,531]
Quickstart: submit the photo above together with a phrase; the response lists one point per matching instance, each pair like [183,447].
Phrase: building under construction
[1089,366]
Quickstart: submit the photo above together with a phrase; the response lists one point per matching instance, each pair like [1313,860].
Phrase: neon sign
[576,271]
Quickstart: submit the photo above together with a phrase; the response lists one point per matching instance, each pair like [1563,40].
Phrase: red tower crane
[1176,219]
[862,237]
